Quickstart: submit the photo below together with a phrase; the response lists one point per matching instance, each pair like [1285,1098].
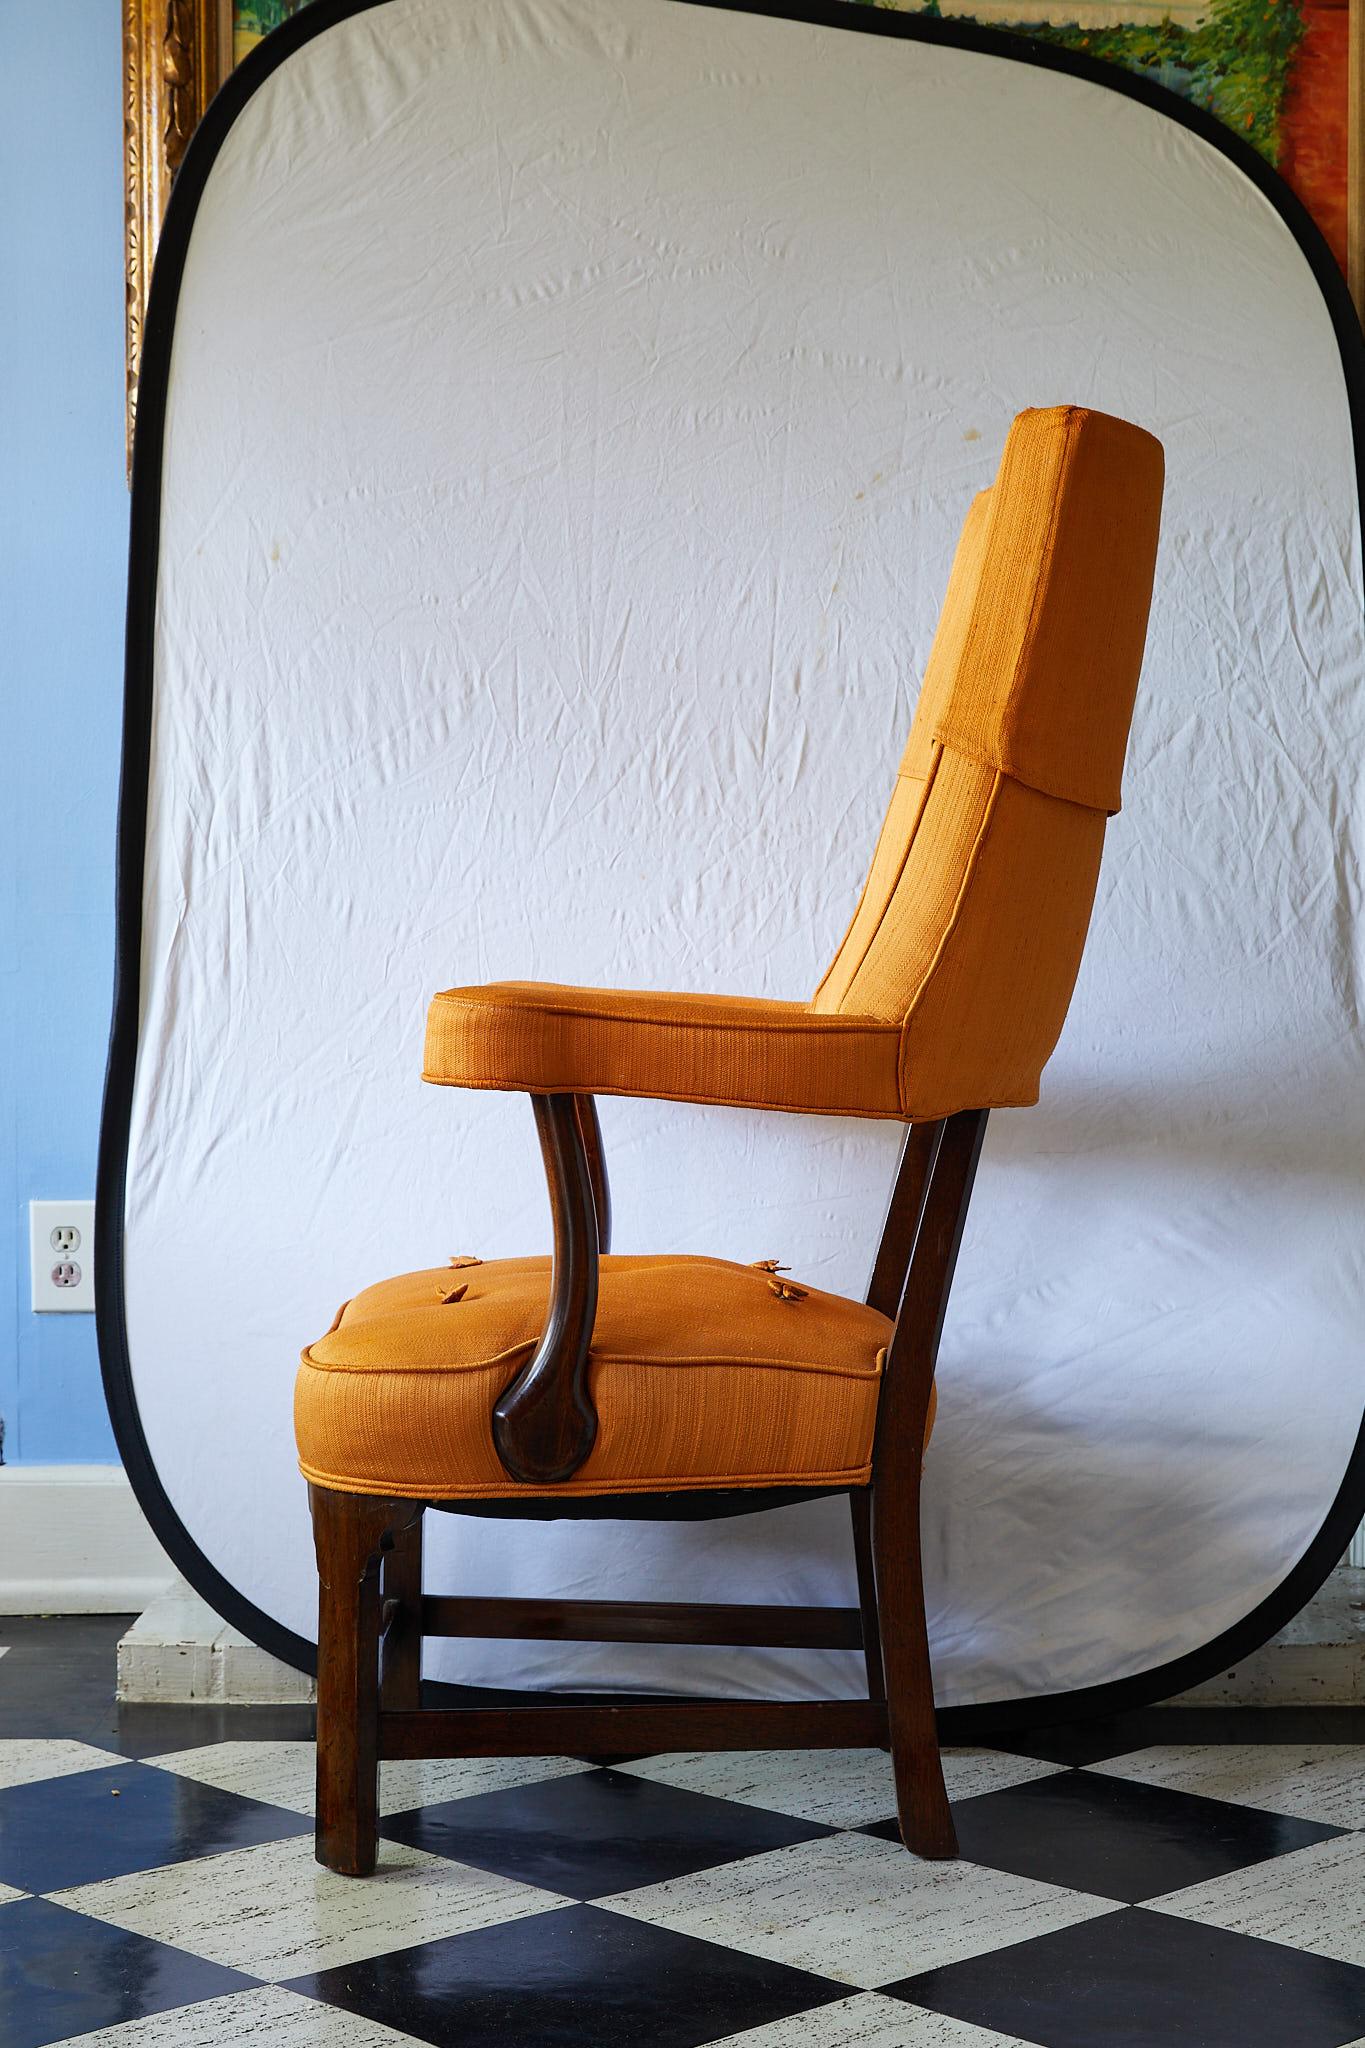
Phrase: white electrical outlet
[61,1237]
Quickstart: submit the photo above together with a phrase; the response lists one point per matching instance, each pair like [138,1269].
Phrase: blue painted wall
[63,535]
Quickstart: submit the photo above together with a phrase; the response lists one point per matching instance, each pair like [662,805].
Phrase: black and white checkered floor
[1181,1877]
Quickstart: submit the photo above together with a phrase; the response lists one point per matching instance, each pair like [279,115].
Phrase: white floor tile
[858,1909]
[1321,1781]
[282,1774]
[1312,1899]
[7,1892]
[426,1781]
[969,1771]
[869,2021]
[841,1788]
[265,2018]
[24,1762]
[272,1911]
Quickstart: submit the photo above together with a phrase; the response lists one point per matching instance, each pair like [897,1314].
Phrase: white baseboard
[73,1540]
[179,1650]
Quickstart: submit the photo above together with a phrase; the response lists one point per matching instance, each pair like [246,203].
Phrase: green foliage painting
[1236,61]
[1273,71]
[252,19]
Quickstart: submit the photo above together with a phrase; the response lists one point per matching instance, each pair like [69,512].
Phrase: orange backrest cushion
[971,924]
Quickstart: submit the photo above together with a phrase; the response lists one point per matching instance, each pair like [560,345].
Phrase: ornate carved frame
[176,54]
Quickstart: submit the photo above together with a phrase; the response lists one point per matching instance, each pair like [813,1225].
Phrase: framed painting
[1284,74]
[176,54]
[1280,73]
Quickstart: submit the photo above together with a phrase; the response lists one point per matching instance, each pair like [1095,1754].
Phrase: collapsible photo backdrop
[556,417]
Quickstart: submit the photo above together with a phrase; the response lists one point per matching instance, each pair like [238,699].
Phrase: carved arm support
[544,1423]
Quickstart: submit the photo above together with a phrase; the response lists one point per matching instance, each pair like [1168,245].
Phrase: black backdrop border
[1140,1689]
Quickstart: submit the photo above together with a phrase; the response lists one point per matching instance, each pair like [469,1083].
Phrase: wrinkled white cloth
[574,405]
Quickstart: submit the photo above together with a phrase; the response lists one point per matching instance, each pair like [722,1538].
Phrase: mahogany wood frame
[373,1613]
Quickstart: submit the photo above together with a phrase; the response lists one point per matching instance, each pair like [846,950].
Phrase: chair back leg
[860,1508]
[921,1796]
[897,1459]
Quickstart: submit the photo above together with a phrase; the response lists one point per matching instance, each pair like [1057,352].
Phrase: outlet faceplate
[61,1237]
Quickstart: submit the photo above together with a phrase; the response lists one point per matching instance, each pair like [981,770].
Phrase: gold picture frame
[176,54]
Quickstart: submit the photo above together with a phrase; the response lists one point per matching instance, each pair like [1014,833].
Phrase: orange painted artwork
[1314,130]
[1274,71]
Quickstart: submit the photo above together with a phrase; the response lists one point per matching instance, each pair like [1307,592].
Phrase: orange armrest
[546,1039]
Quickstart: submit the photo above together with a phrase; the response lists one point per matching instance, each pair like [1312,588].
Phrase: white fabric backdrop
[574,405]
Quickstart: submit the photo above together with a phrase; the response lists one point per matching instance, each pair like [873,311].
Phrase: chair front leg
[350,1532]
[400,1682]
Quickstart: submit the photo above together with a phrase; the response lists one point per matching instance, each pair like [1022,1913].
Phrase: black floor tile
[57,1674]
[576,1978]
[583,1977]
[598,1832]
[57,1680]
[1096,1741]
[63,1974]
[158,1730]
[1117,1838]
[96,1824]
[1142,1980]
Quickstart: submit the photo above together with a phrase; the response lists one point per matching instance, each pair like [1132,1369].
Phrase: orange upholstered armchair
[585,1384]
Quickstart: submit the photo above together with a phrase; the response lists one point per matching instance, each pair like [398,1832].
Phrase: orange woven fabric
[947,993]
[543,1038]
[960,960]
[982,978]
[702,1373]
[1044,683]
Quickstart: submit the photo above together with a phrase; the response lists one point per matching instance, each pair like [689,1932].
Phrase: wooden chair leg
[401,1662]
[350,1531]
[898,1454]
[860,1507]
[921,1797]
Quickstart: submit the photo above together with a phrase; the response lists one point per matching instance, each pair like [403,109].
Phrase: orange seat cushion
[703,1374]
